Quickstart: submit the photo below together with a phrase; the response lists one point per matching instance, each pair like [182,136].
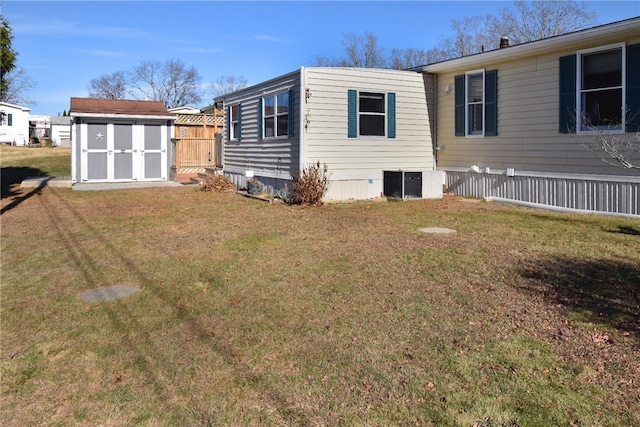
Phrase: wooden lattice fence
[197,143]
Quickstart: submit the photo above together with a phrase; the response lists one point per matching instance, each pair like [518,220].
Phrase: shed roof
[128,107]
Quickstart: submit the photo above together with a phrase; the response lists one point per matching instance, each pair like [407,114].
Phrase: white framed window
[234,122]
[371,114]
[474,101]
[6,119]
[600,89]
[275,115]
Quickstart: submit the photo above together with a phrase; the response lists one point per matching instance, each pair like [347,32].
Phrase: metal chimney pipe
[504,42]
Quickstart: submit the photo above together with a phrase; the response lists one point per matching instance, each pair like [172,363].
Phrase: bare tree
[227,84]
[402,59]
[611,143]
[172,83]
[109,86]
[470,35]
[361,51]
[539,19]
[526,21]
[18,83]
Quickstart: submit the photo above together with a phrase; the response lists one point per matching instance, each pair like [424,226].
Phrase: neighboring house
[14,124]
[506,119]
[120,140]
[60,131]
[39,127]
[369,126]
[185,109]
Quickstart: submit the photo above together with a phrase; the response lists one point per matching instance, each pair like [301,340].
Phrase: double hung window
[234,122]
[599,90]
[475,103]
[601,87]
[276,115]
[371,112]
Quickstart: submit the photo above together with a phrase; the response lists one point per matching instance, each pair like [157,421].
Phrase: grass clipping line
[311,184]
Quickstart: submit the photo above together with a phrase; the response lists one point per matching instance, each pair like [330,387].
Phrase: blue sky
[64,44]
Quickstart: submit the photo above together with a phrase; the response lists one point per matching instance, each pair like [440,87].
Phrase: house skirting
[341,189]
[597,194]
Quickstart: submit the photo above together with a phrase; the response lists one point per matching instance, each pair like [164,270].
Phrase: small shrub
[217,183]
[310,185]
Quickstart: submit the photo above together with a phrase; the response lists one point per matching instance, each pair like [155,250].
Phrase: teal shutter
[260,135]
[352,113]
[239,122]
[459,104]
[292,120]
[9,119]
[491,103]
[633,88]
[567,113]
[391,115]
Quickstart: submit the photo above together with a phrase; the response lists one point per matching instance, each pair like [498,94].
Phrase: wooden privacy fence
[198,152]
[198,142]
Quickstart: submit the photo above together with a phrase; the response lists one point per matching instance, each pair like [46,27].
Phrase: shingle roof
[118,106]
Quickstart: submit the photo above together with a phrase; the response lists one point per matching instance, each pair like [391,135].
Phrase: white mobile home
[14,124]
[370,127]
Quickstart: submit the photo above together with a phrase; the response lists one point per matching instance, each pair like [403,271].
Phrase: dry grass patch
[267,314]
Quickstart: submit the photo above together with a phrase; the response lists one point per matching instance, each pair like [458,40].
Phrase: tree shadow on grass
[11,177]
[623,229]
[600,290]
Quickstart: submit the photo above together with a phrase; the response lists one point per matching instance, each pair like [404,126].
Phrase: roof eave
[124,116]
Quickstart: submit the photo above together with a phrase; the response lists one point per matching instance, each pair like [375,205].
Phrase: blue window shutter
[491,103]
[239,122]
[292,120]
[567,102]
[260,118]
[391,115]
[459,104]
[633,88]
[9,119]
[352,113]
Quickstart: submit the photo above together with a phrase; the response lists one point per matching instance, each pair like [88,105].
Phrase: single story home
[14,124]
[60,131]
[519,123]
[371,127]
[120,140]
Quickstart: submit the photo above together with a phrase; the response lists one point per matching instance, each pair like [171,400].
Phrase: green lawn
[267,314]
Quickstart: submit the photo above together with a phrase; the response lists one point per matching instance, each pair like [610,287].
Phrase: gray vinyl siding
[364,158]
[269,158]
[528,120]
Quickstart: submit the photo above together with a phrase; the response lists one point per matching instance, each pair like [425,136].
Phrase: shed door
[122,151]
[154,155]
[96,153]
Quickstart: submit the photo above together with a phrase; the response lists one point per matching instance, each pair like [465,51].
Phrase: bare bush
[218,183]
[310,185]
